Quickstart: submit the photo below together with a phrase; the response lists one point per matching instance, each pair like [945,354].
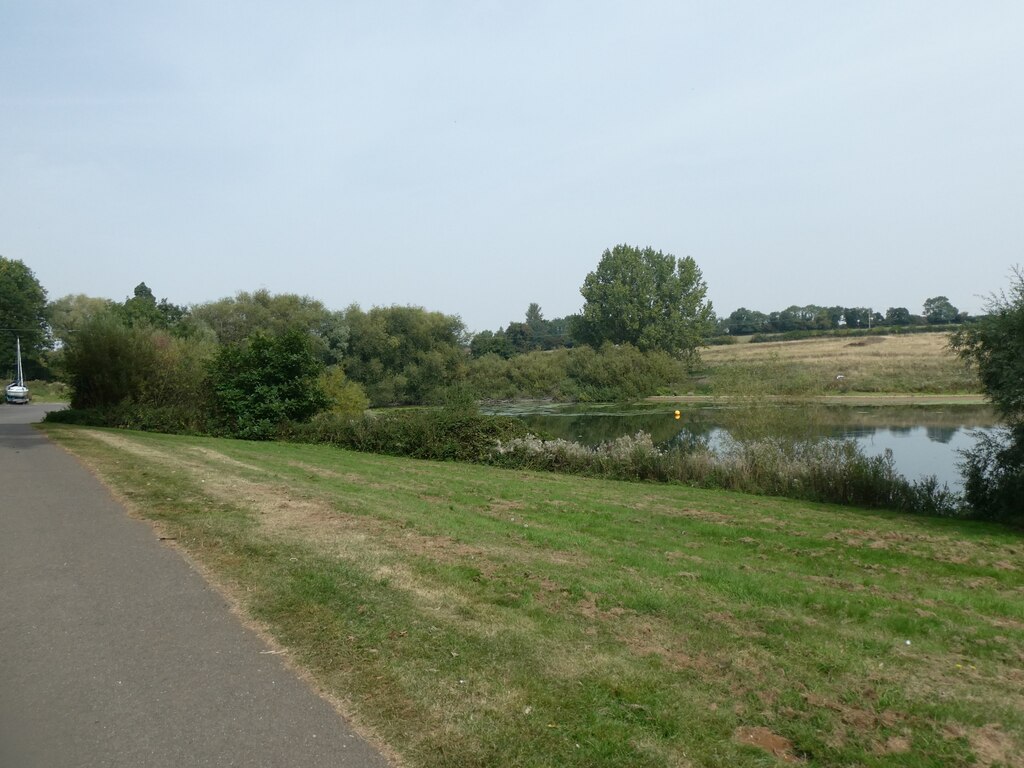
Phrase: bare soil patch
[764,738]
[993,746]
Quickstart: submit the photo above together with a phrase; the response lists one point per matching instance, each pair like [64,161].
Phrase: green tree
[490,343]
[69,314]
[828,318]
[856,317]
[109,362]
[520,338]
[266,381]
[897,316]
[345,398]
[538,330]
[994,346]
[143,309]
[809,317]
[22,315]
[535,318]
[646,298]
[559,333]
[235,319]
[939,310]
[405,355]
[744,322]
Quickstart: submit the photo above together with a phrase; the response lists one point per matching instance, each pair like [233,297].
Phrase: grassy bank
[919,363]
[472,616]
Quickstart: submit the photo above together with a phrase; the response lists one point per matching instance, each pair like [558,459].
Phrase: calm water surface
[924,440]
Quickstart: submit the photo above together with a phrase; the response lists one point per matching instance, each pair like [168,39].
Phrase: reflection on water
[924,440]
[941,434]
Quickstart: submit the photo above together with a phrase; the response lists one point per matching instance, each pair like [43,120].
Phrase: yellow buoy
[678,414]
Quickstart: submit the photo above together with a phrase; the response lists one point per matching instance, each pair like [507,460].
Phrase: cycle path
[115,652]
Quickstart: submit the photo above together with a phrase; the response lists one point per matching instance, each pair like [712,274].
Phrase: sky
[474,157]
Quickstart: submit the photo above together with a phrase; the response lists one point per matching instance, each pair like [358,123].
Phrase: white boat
[16,392]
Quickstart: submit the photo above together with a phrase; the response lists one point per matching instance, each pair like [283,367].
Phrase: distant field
[470,616]
[913,363]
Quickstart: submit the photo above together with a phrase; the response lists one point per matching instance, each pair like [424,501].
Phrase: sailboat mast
[20,381]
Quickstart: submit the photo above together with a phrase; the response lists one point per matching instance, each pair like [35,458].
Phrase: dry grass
[900,363]
[849,352]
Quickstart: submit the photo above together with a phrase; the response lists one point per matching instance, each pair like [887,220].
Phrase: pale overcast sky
[473,157]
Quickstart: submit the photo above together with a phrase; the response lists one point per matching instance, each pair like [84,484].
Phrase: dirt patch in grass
[651,638]
[895,745]
[857,718]
[499,506]
[702,515]
[314,470]
[766,739]
[588,607]
[993,746]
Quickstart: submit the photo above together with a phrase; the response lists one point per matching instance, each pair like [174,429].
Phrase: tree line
[242,364]
[639,297]
[937,310]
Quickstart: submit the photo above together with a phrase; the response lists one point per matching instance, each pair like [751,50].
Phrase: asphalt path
[113,649]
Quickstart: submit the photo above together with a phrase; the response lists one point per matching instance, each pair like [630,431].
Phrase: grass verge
[474,616]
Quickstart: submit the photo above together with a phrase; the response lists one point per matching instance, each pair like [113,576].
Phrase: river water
[924,440]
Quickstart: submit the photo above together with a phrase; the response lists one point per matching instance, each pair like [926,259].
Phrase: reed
[831,471]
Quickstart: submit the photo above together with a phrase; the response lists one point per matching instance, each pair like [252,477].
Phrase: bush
[615,373]
[108,362]
[540,374]
[994,346]
[144,417]
[404,355]
[993,474]
[619,373]
[266,382]
[345,398]
[445,434]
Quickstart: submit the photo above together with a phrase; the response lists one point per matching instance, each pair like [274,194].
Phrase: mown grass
[919,363]
[473,616]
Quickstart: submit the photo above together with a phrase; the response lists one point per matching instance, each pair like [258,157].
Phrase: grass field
[48,391]
[913,363]
[471,616]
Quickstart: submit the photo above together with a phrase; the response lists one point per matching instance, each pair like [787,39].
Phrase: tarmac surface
[113,649]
